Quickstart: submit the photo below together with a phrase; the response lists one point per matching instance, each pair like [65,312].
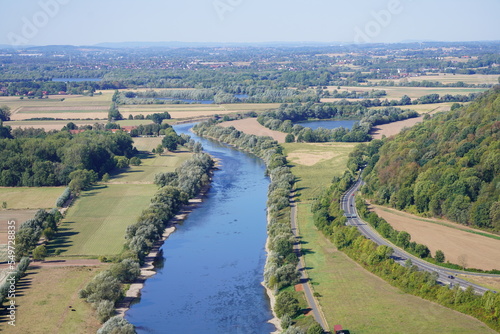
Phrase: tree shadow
[306,251]
[62,240]
[24,284]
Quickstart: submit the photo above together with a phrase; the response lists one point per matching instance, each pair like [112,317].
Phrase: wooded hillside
[447,166]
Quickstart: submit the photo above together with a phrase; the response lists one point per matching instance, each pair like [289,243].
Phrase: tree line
[330,219]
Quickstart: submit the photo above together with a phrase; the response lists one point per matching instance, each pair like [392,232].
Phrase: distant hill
[448,166]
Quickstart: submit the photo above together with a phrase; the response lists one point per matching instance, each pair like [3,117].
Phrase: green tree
[121,162]
[40,253]
[81,180]
[440,256]
[169,142]
[315,328]
[135,161]
[290,138]
[4,113]
[105,177]
[159,150]
[286,303]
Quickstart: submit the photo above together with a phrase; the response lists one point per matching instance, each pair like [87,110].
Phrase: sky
[89,22]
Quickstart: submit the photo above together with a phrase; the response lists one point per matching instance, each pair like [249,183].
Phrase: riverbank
[148,268]
[275,321]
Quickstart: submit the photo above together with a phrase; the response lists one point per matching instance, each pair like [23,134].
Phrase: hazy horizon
[70,22]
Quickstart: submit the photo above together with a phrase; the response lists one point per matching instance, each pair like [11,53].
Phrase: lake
[210,281]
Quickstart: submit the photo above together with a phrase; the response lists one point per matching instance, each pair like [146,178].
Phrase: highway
[445,276]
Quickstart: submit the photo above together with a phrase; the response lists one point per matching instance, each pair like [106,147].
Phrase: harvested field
[479,251]
[47,302]
[452,78]
[30,198]
[84,114]
[48,125]
[19,216]
[59,109]
[252,127]
[394,128]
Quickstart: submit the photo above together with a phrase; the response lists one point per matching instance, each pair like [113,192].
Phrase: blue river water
[210,281]
[328,124]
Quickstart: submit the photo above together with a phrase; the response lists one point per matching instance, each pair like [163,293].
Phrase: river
[210,281]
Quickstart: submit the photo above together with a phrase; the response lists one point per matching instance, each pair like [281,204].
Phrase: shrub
[104,309]
[63,198]
[117,325]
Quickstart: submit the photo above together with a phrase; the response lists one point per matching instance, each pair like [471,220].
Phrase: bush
[105,309]
[315,329]
[63,198]
[135,161]
[126,271]
[117,325]
[40,253]
[102,287]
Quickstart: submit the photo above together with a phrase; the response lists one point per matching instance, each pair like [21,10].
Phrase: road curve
[445,276]
[301,267]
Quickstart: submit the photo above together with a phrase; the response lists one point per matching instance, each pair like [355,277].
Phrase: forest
[50,158]
[445,167]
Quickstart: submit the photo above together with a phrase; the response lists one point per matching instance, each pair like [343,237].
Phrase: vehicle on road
[337,329]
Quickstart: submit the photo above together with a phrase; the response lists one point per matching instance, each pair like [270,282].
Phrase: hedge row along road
[445,275]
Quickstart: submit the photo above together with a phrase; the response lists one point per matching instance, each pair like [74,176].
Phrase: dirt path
[457,244]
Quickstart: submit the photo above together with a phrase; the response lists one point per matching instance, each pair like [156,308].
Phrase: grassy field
[30,198]
[46,303]
[350,295]
[151,165]
[96,223]
[310,161]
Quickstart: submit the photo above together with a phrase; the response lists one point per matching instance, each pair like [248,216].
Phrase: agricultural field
[59,106]
[394,128]
[54,124]
[368,304]
[447,78]
[251,126]
[479,248]
[22,198]
[186,111]
[60,310]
